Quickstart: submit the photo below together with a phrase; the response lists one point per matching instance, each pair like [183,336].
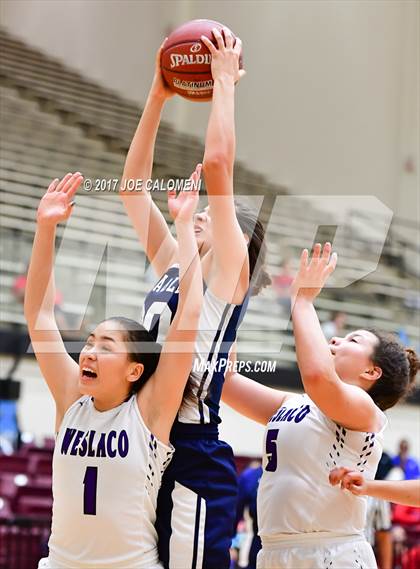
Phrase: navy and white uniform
[197,501]
[304,521]
[107,470]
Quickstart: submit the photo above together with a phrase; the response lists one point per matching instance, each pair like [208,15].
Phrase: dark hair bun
[414,364]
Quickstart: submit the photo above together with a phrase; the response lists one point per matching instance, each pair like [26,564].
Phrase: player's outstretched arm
[405,492]
[59,370]
[148,222]
[250,398]
[230,278]
[345,404]
[162,395]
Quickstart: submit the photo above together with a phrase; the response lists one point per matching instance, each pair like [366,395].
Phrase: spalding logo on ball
[186,61]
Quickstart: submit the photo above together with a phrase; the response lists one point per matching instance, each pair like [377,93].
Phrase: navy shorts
[196,511]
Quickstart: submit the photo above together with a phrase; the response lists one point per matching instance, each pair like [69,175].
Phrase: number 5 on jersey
[271,450]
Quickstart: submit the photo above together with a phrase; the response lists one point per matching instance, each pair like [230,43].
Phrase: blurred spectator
[335,326]
[411,559]
[237,544]
[378,519]
[406,520]
[407,516]
[385,466]
[247,498]
[378,531]
[281,284]
[9,429]
[408,464]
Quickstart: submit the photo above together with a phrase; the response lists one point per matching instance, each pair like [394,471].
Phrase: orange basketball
[186,61]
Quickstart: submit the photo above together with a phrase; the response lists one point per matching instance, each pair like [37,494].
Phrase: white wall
[330,101]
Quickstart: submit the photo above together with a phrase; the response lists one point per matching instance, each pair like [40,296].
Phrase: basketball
[186,61]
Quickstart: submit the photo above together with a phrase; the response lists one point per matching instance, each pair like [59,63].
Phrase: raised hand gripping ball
[186,61]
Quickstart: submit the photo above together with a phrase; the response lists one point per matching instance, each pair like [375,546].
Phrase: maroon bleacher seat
[14,463]
[40,464]
[34,506]
[5,510]
[23,543]
[43,481]
[32,489]
[49,443]
[8,486]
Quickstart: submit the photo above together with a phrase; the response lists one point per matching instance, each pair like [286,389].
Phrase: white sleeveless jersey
[301,447]
[107,470]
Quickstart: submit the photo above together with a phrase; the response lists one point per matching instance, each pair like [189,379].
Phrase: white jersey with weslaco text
[302,445]
[107,470]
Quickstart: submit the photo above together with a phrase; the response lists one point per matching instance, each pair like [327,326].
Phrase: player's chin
[87,387]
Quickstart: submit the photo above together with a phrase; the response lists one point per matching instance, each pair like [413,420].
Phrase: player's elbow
[190,313]
[316,376]
[216,161]
[193,314]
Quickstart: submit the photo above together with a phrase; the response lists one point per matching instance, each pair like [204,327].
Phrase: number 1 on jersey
[90,482]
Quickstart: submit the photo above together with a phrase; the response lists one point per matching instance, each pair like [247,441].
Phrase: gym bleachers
[50,127]
[25,505]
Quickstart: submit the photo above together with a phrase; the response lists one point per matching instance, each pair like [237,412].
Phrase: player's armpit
[252,399]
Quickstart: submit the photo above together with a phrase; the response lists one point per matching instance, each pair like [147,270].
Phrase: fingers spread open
[70,182]
[238,46]
[228,38]
[219,38]
[74,185]
[63,182]
[53,185]
[304,259]
[316,252]
[326,252]
[209,44]
[332,264]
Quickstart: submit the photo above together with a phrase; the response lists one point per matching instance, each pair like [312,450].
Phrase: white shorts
[44,563]
[314,552]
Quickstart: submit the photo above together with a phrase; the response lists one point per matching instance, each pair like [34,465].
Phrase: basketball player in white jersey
[114,410]
[304,522]
[405,492]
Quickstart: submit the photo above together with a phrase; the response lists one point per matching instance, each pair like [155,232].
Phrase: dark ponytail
[142,349]
[257,248]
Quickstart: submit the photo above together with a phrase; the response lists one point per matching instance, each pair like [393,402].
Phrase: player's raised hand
[159,87]
[313,273]
[182,206]
[56,205]
[224,57]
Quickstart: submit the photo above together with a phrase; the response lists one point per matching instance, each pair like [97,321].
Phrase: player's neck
[105,403]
